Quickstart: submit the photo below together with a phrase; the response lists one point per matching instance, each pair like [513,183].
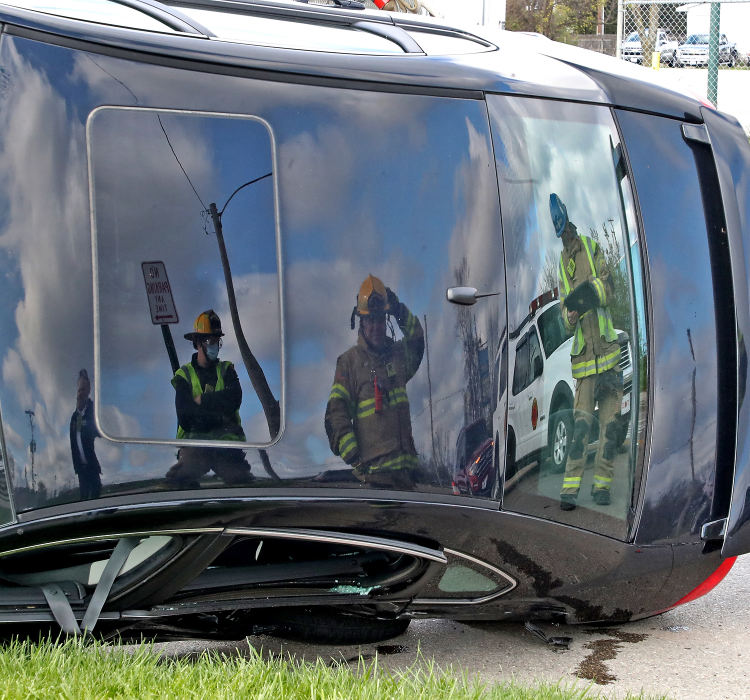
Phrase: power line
[205,208]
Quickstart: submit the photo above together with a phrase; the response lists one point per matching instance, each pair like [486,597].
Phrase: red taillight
[713,580]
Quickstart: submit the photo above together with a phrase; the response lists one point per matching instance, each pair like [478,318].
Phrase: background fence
[704,45]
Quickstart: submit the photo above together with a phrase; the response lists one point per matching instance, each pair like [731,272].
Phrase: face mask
[212,351]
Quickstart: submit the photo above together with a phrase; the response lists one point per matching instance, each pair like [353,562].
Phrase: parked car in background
[631,49]
[473,473]
[694,51]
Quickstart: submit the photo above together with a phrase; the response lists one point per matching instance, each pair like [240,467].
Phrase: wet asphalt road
[700,650]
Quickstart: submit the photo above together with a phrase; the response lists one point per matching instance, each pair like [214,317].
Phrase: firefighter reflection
[585,286]
[367,417]
[207,399]
[83,432]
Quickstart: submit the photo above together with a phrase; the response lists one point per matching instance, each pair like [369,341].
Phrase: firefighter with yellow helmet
[367,418]
[585,289]
[207,400]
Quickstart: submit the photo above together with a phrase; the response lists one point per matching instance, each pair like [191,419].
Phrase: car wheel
[731,62]
[560,439]
[327,626]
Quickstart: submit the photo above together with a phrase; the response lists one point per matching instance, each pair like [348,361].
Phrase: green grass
[73,669]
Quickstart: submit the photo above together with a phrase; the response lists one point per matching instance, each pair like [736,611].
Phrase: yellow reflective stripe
[563,276]
[397,396]
[400,462]
[596,366]
[586,240]
[347,444]
[194,381]
[602,480]
[410,325]
[365,408]
[338,391]
[600,291]
[571,482]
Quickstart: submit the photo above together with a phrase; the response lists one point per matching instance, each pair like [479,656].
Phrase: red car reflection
[473,473]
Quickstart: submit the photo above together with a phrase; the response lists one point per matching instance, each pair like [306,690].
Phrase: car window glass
[535,355]
[152,291]
[552,330]
[521,366]
[307,155]
[575,431]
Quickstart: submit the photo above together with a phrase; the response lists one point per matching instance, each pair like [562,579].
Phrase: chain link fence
[705,44]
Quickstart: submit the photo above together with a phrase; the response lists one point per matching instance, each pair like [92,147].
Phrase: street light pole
[32,447]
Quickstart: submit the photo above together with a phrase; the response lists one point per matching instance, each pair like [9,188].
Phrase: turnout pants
[193,462]
[606,390]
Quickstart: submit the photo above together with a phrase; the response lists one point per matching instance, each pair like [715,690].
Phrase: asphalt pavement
[699,650]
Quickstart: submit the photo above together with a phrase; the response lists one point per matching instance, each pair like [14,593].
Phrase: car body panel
[386,138]
[728,141]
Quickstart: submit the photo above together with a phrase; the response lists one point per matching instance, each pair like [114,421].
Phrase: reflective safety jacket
[595,348]
[217,417]
[367,418]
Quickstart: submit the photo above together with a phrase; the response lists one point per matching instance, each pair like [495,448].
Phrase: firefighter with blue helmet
[367,419]
[207,400]
[585,288]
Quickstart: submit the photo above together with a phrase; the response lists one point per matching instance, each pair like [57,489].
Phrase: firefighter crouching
[367,418]
[207,400]
[594,356]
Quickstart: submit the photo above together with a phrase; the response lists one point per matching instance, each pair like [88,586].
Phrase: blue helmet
[559,214]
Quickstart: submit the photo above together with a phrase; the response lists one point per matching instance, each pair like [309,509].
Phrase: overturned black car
[261,263]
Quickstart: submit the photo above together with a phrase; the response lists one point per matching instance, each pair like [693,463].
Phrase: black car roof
[505,62]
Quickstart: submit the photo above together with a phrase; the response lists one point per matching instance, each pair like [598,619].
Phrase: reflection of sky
[146,209]
[553,147]
[362,187]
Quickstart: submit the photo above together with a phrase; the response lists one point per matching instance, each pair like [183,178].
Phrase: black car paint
[599,578]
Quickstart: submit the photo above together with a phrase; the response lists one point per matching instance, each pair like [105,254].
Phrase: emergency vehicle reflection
[540,400]
[367,418]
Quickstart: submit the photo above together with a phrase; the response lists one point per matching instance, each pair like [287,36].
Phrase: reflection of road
[536,491]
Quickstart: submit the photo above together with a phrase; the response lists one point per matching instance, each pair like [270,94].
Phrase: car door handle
[466,296]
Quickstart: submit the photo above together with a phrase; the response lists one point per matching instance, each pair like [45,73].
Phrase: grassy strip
[73,669]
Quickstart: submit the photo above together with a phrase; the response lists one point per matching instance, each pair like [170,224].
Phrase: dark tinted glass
[411,199]
[568,226]
[552,330]
[158,264]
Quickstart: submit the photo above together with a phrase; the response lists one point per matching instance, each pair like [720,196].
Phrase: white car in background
[631,50]
[694,51]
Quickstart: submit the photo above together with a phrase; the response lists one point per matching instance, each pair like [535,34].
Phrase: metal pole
[254,370]
[166,332]
[713,54]
[620,21]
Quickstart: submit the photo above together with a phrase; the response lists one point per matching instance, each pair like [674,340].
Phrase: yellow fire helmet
[207,323]
[372,297]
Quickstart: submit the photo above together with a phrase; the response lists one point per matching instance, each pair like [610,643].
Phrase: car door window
[521,366]
[569,224]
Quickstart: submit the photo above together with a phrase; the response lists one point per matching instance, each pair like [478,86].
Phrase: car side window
[535,356]
[521,366]
[569,224]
